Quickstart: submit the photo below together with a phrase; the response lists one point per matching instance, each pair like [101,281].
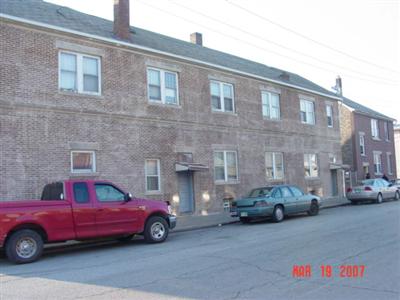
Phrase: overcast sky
[356,39]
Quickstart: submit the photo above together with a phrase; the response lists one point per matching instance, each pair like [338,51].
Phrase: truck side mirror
[128,197]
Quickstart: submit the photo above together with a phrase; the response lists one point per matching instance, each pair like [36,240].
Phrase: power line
[277,44]
[224,34]
[310,39]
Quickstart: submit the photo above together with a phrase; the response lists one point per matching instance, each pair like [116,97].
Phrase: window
[162,86]
[83,162]
[108,193]
[386,129]
[225,166]
[310,165]
[222,96]
[296,191]
[81,193]
[286,192]
[307,114]
[389,163]
[270,105]
[374,129]
[277,194]
[377,163]
[362,143]
[79,73]
[332,158]
[274,165]
[152,173]
[329,115]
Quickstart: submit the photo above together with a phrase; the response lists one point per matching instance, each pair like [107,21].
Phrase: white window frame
[162,86]
[158,175]
[221,96]
[269,93]
[274,165]
[377,154]
[329,114]
[86,171]
[309,122]
[362,145]
[79,72]
[226,179]
[389,163]
[375,129]
[386,130]
[309,164]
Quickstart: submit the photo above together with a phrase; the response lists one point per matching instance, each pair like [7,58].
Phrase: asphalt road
[236,261]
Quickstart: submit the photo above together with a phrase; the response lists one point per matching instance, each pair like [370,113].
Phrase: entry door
[334,182]
[186,197]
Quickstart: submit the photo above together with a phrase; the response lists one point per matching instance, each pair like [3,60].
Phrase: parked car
[376,190]
[396,183]
[79,210]
[275,202]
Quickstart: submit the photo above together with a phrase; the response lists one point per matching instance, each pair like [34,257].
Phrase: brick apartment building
[397,147]
[84,97]
[367,142]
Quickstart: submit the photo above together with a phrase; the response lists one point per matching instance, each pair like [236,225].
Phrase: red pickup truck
[79,210]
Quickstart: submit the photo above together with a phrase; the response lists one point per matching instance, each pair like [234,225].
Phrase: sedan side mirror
[128,197]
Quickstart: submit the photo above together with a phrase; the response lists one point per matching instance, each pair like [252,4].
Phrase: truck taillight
[349,190]
[368,189]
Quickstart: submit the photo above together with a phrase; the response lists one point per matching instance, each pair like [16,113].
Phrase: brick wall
[39,123]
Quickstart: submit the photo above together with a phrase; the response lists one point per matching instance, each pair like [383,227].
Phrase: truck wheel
[24,246]
[156,230]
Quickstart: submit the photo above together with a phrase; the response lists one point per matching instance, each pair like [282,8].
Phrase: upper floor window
[274,165]
[307,112]
[222,98]
[329,115]
[386,129]
[389,163]
[362,143]
[310,165]
[83,162]
[332,158]
[79,73]
[162,86]
[152,173]
[225,166]
[374,129]
[377,163]
[270,105]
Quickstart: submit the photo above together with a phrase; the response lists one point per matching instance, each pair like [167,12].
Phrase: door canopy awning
[184,167]
[338,166]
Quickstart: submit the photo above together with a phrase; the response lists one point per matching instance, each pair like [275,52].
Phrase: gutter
[138,47]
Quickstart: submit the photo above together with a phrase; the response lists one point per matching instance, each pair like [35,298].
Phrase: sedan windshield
[262,192]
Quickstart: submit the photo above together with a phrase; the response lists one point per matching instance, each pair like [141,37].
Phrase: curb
[237,221]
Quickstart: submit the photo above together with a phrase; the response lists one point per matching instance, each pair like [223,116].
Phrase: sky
[319,40]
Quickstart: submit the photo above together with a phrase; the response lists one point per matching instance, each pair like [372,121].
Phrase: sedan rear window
[261,192]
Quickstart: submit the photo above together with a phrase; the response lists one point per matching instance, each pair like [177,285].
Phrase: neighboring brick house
[83,97]
[367,142]
[397,147]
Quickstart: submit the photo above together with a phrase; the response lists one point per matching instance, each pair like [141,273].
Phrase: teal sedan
[276,202]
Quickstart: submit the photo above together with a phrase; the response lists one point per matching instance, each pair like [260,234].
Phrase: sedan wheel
[314,209]
[379,199]
[397,196]
[278,215]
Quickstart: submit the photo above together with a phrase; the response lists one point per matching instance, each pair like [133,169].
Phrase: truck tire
[24,246]
[156,230]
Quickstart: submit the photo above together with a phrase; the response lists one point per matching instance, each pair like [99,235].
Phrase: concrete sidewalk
[191,222]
